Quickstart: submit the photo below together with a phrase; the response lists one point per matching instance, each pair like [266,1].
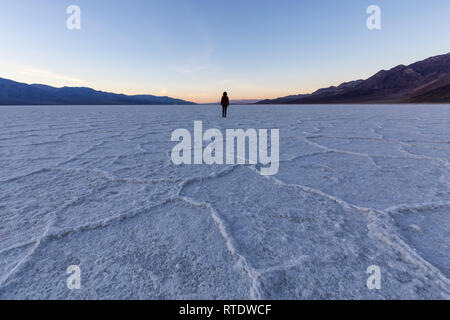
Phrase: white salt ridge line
[341,202]
[408,155]
[269,268]
[251,272]
[293,263]
[42,170]
[416,156]
[220,173]
[77,156]
[409,253]
[366,155]
[444,161]
[99,224]
[22,261]
[231,246]
[304,156]
[104,173]
[18,246]
[63,232]
[387,235]
[96,224]
[60,136]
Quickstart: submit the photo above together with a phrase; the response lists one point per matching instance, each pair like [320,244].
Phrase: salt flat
[95,186]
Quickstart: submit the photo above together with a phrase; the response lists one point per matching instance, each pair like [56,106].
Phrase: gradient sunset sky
[196,49]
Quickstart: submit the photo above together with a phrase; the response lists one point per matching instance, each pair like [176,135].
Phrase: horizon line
[208,101]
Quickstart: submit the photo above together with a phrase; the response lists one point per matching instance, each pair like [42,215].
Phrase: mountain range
[426,81]
[16,93]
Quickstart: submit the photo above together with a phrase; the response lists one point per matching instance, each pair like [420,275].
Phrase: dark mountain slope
[425,80]
[16,93]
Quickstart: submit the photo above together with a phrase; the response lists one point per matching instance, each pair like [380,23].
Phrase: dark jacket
[225,101]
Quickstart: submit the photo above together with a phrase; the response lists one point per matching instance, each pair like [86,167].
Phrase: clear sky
[196,49]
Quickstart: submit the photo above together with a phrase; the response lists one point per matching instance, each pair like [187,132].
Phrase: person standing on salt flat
[225,103]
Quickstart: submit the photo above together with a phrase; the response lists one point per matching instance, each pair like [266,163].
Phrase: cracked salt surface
[95,187]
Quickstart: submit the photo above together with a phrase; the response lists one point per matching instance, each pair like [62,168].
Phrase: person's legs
[225,111]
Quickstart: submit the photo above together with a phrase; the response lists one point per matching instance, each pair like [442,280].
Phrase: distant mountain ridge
[16,93]
[426,81]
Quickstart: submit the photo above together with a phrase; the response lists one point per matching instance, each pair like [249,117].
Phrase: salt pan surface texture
[95,187]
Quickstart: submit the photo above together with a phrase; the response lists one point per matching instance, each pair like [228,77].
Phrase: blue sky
[196,49]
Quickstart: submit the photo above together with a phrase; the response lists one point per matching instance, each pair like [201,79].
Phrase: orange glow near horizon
[209,94]
[215,98]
